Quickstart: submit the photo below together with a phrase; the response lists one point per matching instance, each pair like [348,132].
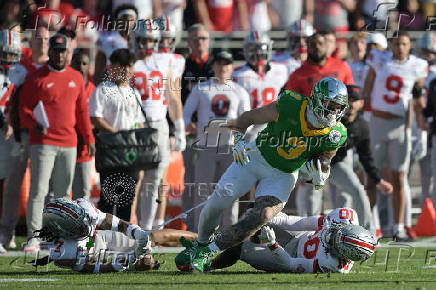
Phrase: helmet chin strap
[164,49]
[148,51]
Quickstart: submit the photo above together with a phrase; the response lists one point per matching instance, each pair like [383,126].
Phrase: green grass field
[403,270]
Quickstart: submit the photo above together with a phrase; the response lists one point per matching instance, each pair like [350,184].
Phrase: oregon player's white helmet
[328,102]
[144,32]
[257,48]
[10,47]
[349,242]
[297,30]
[170,33]
[66,219]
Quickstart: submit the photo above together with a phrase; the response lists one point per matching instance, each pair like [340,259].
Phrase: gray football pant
[189,160]
[11,197]
[210,166]
[82,180]
[148,196]
[5,156]
[350,192]
[48,161]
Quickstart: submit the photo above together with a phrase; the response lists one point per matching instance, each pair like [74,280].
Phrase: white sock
[213,247]
[398,228]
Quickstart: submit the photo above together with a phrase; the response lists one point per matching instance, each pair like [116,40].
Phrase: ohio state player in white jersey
[296,54]
[299,245]
[261,78]
[392,81]
[218,98]
[153,79]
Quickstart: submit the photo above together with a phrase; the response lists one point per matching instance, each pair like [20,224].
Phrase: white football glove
[179,135]
[268,236]
[316,174]
[420,148]
[143,243]
[240,150]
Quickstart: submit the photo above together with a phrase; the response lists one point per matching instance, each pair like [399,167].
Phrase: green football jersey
[287,143]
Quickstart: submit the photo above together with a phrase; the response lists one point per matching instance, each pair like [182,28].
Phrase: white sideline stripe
[28,280]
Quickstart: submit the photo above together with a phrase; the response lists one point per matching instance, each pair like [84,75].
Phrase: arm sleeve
[28,100]
[295,265]
[82,117]
[96,104]
[191,105]
[94,213]
[297,223]
[364,151]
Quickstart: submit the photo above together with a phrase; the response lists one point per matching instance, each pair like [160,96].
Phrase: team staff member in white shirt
[113,107]
[217,98]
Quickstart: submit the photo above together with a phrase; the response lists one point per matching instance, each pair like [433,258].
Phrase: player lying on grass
[295,244]
[298,132]
[69,227]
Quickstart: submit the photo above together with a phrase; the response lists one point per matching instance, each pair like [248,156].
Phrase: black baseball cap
[58,41]
[354,92]
[223,55]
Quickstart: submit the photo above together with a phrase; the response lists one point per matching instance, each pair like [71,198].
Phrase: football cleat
[203,259]
[3,250]
[32,246]
[184,259]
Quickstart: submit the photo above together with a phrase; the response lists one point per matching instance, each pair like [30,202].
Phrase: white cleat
[3,250]
[12,244]
[32,246]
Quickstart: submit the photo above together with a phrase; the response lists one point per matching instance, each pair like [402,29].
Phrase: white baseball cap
[377,38]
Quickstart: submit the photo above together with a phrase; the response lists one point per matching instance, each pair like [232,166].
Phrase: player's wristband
[97,268]
[131,229]
[115,222]
[273,246]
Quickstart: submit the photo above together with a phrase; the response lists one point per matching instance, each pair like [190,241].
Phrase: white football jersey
[14,78]
[176,63]
[285,58]
[150,79]
[262,89]
[62,249]
[215,101]
[359,70]
[394,81]
[310,247]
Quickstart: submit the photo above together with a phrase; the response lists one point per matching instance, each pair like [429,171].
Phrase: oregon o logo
[130,156]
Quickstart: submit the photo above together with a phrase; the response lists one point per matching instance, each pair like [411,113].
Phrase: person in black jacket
[342,175]
[197,69]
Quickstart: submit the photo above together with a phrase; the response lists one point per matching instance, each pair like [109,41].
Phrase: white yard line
[28,280]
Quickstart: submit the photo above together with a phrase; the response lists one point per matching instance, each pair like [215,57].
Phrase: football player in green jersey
[299,133]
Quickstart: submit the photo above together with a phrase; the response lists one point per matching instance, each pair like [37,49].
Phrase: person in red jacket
[82,175]
[61,90]
[317,66]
